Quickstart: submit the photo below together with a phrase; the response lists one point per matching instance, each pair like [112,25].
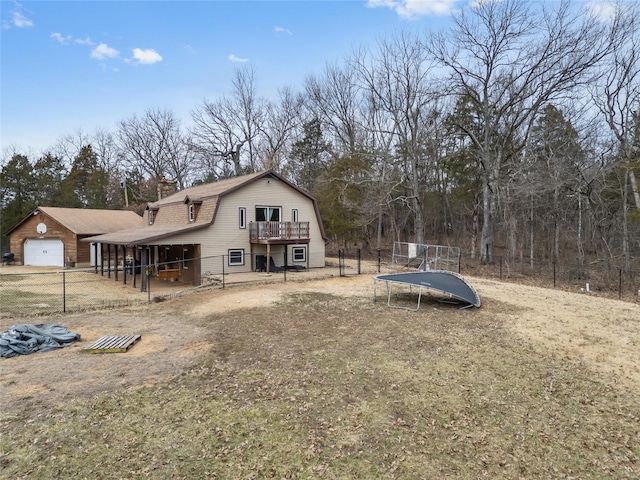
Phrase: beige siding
[225,234]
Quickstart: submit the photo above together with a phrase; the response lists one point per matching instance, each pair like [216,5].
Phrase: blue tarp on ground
[25,339]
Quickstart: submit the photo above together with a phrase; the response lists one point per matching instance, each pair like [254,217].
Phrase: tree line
[516,130]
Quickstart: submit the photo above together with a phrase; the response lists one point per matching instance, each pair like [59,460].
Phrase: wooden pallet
[112,344]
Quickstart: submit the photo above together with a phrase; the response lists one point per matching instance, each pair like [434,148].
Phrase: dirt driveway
[603,333]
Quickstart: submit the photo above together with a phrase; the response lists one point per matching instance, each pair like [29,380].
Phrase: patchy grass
[323,387]
[18,300]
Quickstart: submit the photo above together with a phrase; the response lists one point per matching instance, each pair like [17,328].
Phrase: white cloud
[190,49]
[146,57]
[279,30]
[66,39]
[20,21]
[60,38]
[603,11]
[103,51]
[233,58]
[412,9]
[17,19]
[84,41]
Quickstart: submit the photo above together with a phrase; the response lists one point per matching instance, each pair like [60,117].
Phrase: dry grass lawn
[315,380]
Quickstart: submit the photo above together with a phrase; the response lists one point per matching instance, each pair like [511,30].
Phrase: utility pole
[123,185]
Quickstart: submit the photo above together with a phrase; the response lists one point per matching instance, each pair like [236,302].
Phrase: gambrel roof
[169,213]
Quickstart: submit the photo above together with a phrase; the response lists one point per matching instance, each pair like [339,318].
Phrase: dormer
[193,207]
[151,214]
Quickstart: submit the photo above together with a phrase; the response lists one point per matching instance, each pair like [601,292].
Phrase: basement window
[299,254]
[236,257]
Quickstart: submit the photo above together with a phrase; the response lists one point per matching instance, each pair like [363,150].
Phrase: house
[229,226]
[52,236]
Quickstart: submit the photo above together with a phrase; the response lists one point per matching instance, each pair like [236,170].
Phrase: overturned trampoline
[449,284]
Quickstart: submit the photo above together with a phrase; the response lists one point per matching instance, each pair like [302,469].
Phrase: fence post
[620,284]
[359,270]
[64,291]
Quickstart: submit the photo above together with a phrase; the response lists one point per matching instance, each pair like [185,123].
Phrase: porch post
[197,265]
[145,267]
[124,264]
[268,257]
[108,260]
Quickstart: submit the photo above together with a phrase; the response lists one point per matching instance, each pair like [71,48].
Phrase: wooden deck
[112,344]
[279,232]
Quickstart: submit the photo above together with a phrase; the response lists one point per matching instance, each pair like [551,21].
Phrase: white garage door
[44,252]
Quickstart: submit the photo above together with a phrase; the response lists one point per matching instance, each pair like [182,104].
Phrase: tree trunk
[486,237]
[634,188]
[417,204]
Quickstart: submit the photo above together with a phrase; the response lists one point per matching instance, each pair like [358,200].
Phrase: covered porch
[139,264]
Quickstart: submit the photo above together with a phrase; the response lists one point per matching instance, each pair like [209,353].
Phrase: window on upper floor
[294,214]
[242,217]
[192,212]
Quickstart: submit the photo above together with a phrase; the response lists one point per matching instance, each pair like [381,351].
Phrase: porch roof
[141,235]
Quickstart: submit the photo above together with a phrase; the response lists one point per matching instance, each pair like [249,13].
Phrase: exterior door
[269,214]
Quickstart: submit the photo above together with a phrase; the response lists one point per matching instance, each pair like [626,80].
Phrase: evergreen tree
[310,156]
[87,182]
[18,190]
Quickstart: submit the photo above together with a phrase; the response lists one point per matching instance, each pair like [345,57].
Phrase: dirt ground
[605,334]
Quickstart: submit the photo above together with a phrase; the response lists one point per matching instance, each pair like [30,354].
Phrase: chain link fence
[24,293]
[606,280]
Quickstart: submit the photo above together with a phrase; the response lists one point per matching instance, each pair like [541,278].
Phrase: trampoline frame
[421,286]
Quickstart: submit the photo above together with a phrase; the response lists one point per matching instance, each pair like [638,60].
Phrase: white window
[294,215]
[299,254]
[236,257]
[191,213]
[150,217]
[185,258]
[242,217]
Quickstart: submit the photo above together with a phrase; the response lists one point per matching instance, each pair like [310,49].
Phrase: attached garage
[44,252]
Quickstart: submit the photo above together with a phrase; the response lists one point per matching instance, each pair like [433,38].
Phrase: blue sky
[68,65]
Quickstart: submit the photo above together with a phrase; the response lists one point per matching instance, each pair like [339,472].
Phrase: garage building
[50,236]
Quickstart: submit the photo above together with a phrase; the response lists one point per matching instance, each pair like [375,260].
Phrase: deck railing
[263,231]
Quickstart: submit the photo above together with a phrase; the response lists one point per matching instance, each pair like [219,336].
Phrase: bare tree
[225,131]
[616,94]
[509,59]
[334,98]
[155,145]
[281,123]
[398,78]
[68,147]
